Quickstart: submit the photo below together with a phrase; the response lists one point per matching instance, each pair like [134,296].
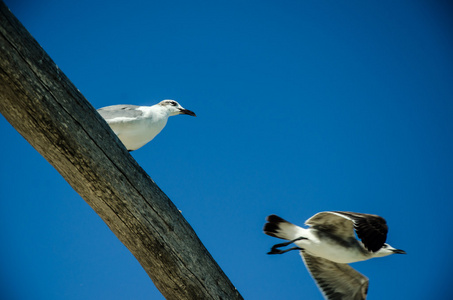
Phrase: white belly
[332,251]
[135,134]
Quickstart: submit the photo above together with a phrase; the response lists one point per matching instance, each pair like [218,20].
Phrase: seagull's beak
[399,251]
[184,111]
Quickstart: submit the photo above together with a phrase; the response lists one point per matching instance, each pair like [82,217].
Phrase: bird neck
[158,111]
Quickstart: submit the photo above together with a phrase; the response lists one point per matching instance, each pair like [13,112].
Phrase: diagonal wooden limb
[54,117]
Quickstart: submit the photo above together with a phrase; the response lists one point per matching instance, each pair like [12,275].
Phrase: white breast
[136,133]
[329,249]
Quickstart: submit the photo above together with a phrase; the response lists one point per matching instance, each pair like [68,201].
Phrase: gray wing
[118,111]
[371,229]
[334,223]
[336,281]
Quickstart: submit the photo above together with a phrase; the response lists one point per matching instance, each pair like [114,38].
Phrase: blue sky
[303,106]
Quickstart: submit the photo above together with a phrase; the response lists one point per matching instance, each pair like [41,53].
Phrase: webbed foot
[274,249]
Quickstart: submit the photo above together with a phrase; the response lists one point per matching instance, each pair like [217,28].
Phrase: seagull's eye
[173,103]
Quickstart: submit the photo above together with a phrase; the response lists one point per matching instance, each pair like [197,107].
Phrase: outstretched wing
[371,229]
[336,281]
[336,224]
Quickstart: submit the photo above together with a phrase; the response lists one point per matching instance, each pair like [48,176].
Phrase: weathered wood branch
[54,117]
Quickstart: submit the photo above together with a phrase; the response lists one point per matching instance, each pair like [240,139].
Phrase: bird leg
[274,249]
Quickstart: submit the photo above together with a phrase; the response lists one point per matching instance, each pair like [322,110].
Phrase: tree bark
[54,117]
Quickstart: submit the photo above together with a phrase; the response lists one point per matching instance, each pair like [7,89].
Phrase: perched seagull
[137,125]
[329,244]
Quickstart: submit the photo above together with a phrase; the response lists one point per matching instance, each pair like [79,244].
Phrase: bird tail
[282,229]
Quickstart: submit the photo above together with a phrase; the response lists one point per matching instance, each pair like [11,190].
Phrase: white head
[174,108]
[387,250]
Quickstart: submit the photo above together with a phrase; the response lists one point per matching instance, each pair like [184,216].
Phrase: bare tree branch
[54,117]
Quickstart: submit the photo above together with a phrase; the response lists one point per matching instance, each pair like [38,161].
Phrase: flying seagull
[329,245]
[136,125]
